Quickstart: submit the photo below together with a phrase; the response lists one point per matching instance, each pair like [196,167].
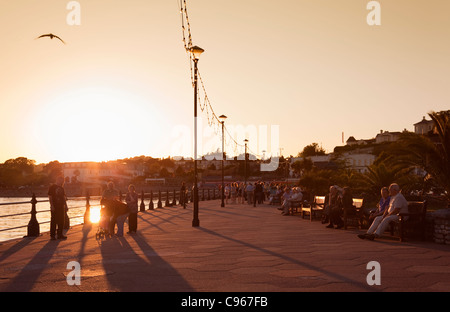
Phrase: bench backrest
[418,207]
[319,200]
[358,202]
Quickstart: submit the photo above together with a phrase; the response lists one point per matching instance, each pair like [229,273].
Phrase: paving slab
[237,248]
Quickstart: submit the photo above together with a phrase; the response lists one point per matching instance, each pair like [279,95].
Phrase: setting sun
[94,124]
[94,216]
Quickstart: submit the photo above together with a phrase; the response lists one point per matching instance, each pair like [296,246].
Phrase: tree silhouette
[430,153]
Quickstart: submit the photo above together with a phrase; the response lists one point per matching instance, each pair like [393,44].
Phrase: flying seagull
[51,37]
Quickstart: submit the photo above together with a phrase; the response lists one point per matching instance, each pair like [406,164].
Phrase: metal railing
[156,201]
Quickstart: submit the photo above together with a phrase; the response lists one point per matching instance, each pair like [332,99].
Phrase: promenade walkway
[238,248]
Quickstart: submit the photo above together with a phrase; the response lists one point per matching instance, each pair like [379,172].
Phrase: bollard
[151,206]
[33,225]
[159,199]
[87,212]
[142,208]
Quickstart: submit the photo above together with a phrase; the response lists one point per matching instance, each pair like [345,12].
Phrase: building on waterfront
[358,161]
[100,172]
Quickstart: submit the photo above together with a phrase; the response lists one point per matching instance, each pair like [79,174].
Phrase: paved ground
[238,248]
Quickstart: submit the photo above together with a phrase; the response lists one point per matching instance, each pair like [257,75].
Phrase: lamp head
[196,51]
[222,118]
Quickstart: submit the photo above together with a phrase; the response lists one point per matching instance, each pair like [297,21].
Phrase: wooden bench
[411,223]
[276,199]
[294,205]
[354,214]
[314,207]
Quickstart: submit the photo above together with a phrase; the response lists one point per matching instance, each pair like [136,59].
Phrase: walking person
[58,208]
[233,192]
[132,202]
[227,193]
[249,190]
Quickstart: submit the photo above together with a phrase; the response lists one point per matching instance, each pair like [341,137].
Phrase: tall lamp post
[222,120]
[245,163]
[196,52]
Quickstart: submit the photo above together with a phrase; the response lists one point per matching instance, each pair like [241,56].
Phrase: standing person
[109,198]
[233,192]
[183,194]
[249,190]
[257,193]
[227,193]
[241,192]
[58,208]
[132,202]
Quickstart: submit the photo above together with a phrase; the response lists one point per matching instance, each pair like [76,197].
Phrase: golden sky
[121,85]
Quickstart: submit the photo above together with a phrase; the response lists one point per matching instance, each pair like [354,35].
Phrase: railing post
[167,204]
[159,199]
[209,196]
[142,208]
[33,225]
[203,194]
[174,202]
[151,206]
[87,213]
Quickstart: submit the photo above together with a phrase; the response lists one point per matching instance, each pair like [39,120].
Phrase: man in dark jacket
[58,208]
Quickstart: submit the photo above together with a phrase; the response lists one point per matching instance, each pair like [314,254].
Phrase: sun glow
[95,124]
[94,216]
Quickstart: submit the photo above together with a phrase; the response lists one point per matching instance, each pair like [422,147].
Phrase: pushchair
[105,217]
[109,213]
[103,225]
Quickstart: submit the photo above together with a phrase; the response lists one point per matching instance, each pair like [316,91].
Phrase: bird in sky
[51,37]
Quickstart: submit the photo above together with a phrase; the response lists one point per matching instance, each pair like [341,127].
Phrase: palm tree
[378,175]
[428,153]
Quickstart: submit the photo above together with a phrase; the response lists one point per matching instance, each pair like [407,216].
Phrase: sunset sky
[121,86]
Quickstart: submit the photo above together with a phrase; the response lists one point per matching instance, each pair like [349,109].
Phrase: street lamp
[196,52]
[222,121]
[245,166]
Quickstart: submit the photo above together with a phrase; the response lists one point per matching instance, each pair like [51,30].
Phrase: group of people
[240,192]
[336,201]
[288,197]
[113,211]
[391,204]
